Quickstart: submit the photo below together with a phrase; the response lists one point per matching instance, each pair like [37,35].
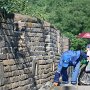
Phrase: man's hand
[55,84]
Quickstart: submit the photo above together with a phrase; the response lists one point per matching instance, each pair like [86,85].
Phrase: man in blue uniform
[69,58]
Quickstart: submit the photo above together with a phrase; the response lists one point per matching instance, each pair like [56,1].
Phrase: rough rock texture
[29,51]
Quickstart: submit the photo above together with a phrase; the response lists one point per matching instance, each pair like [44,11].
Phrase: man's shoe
[65,82]
[73,82]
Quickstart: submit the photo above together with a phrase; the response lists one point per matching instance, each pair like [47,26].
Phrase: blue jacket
[68,58]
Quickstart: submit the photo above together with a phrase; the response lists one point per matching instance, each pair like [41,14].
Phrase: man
[69,58]
[88,58]
[88,52]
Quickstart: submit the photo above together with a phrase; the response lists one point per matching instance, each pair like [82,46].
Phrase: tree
[69,16]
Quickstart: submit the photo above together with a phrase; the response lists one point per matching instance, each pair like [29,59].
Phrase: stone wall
[29,51]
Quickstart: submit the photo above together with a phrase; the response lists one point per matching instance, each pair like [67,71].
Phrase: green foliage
[76,43]
[71,17]
[84,62]
[16,6]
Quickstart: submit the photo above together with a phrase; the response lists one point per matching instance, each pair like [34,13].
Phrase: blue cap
[88,46]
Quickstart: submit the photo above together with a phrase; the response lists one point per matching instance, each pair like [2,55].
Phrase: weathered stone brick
[37,53]
[23,83]
[46,24]
[35,43]
[37,48]
[1,81]
[11,55]
[9,62]
[14,79]
[3,56]
[15,85]
[28,70]
[2,44]
[42,62]
[7,87]
[25,18]
[13,67]
[34,30]
[17,72]
[7,68]
[8,74]
[23,77]
[27,87]
[33,25]
[1,71]
[7,80]
[6,50]
[29,34]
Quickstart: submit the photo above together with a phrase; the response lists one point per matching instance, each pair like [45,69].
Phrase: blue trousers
[74,73]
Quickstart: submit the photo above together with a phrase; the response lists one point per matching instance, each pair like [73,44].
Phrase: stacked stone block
[29,52]
[16,66]
[36,46]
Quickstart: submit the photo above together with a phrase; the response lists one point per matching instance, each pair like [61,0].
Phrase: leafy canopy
[71,17]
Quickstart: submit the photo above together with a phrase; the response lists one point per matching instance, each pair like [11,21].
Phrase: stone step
[70,88]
